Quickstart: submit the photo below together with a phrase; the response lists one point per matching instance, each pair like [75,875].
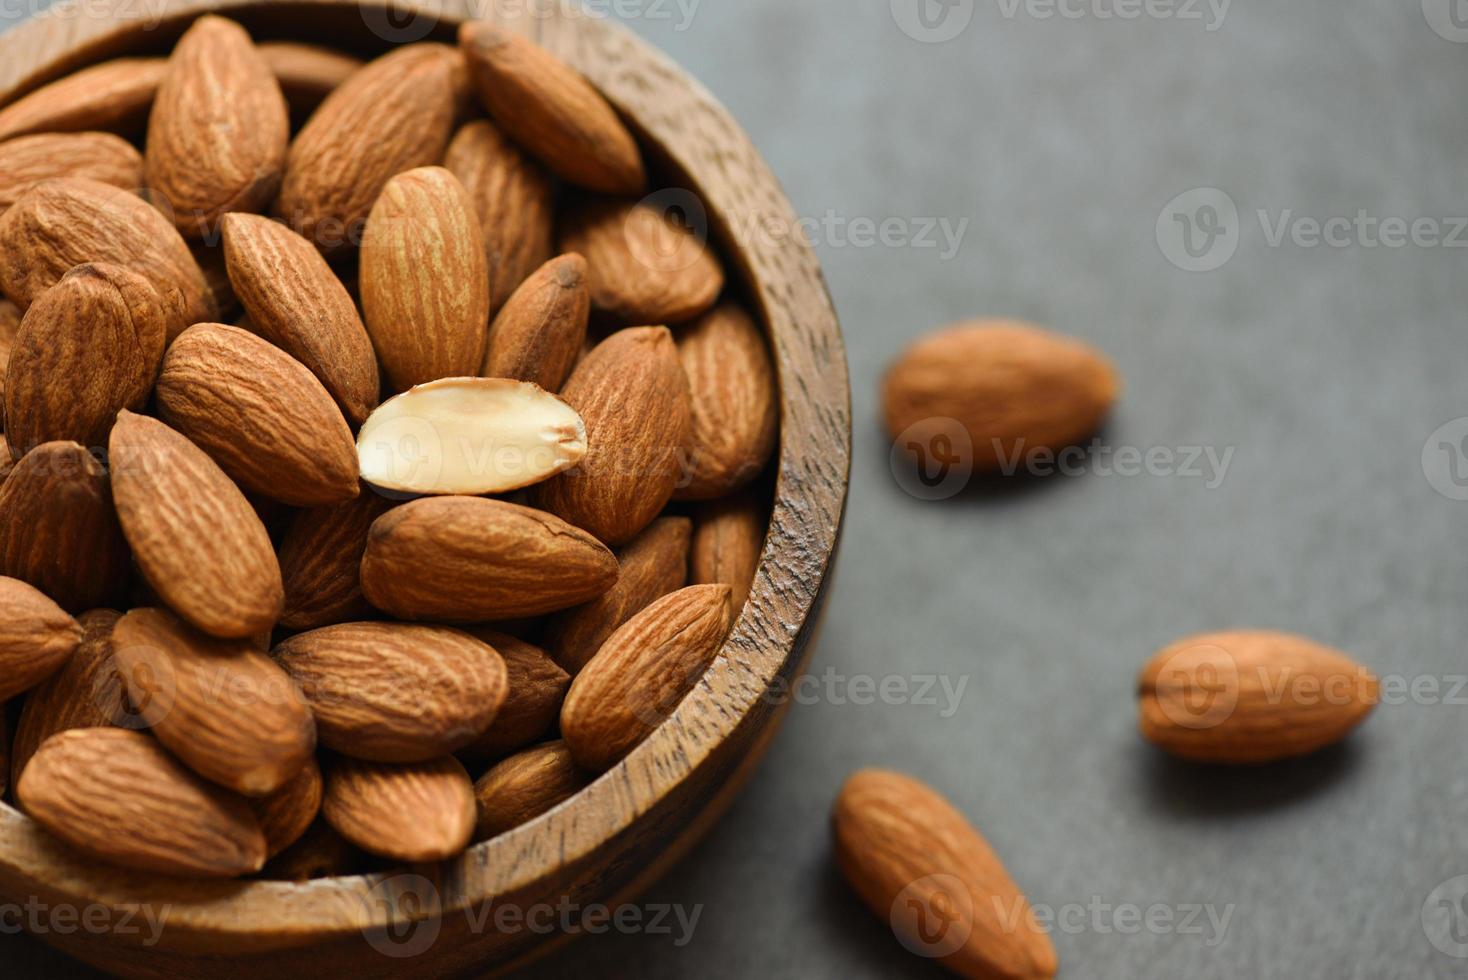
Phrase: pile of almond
[365,431]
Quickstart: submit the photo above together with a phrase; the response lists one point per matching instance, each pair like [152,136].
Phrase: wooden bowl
[631,824]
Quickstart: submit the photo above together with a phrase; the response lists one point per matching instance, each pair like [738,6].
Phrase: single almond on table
[644,265]
[469,436]
[641,674]
[425,279]
[102,329]
[114,96]
[524,786]
[1015,388]
[218,131]
[393,692]
[306,73]
[118,796]
[36,637]
[295,301]
[514,201]
[735,399]
[536,688]
[546,106]
[227,710]
[28,160]
[63,223]
[539,334]
[632,393]
[288,813]
[321,563]
[1251,696]
[917,864]
[194,535]
[420,812]
[58,528]
[394,114]
[259,414]
[728,537]
[652,564]
[472,560]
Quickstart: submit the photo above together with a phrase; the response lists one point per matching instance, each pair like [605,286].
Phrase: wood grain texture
[627,827]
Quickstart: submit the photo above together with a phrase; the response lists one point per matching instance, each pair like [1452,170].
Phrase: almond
[260,414]
[306,73]
[63,223]
[1251,696]
[88,347]
[539,333]
[469,436]
[114,96]
[919,865]
[296,302]
[321,562]
[36,637]
[288,813]
[118,796]
[633,396]
[58,529]
[513,199]
[641,674]
[227,710]
[28,160]
[643,264]
[524,786]
[417,813]
[652,564]
[320,853]
[85,693]
[468,559]
[536,688]
[394,114]
[1015,388]
[547,107]
[218,131]
[728,537]
[195,536]
[391,692]
[425,279]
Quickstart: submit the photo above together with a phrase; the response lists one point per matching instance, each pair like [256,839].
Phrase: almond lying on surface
[36,637]
[420,812]
[288,813]
[321,563]
[114,97]
[539,334]
[728,537]
[28,160]
[536,686]
[524,786]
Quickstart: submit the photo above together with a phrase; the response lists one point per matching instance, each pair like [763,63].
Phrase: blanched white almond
[469,436]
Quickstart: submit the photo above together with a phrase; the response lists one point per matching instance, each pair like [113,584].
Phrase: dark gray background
[1325,369]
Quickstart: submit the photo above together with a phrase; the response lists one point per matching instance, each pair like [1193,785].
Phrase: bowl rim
[679,119]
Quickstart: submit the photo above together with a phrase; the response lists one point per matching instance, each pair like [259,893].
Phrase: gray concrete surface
[1325,369]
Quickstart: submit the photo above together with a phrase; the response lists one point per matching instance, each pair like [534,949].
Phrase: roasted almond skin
[227,710]
[28,160]
[288,813]
[118,796]
[911,856]
[394,114]
[425,279]
[1016,388]
[641,674]
[735,402]
[60,224]
[419,812]
[306,73]
[87,348]
[632,394]
[36,637]
[514,201]
[536,688]
[321,563]
[728,536]
[524,786]
[295,301]
[114,96]
[194,535]
[1251,696]
[218,131]
[58,528]
[539,334]
[644,267]
[260,415]
[547,107]
[393,692]
[652,565]
[472,560]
